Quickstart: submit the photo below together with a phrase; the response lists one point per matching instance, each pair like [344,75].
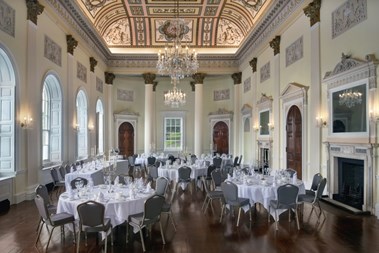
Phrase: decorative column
[30,102]
[149,82]
[198,127]
[109,77]
[92,120]
[237,77]
[71,43]
[315,105]
[275,115]
[255,117]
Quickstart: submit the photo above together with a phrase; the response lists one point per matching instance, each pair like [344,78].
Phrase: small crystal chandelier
[176,61]
[350,98]
[174,97]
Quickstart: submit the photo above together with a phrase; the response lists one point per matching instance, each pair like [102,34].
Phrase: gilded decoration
[92,64]
[118,33]
[237,77]
[149,78]
[349,14]
[275,44]
[193,83]
[72,43]
[109,77]
[253,64]
[34,9]
[199,77]
[229,34]
[7,18]
[313,11]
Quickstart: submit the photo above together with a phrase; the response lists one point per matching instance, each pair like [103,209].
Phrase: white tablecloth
[172,173]
[117,210]
[259,192]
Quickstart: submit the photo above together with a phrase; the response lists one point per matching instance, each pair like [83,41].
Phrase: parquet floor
[196,232]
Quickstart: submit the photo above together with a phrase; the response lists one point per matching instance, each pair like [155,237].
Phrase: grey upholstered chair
[230,192]
[161,186]
[59,185]
[314,198]
[91,220]
[166,208]
[54,220]
[43,192]
[150,215]
[287,199]
[210,196]
[184,174]
[216,179]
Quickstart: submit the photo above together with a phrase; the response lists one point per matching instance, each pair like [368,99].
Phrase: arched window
[51,120]
[82,125]
[99,127]
[7,115]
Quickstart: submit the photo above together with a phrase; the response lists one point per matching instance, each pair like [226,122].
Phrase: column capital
[275,44]
[148,77]
[72,43]
[34,8]
[253,64]
[92,64]
[192,83]
[155,84]
[109,77]
[313,11]
[199,77]
[237,78]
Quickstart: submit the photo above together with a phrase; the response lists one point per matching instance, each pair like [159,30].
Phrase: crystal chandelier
[175,97]
[350,98]
[176,61]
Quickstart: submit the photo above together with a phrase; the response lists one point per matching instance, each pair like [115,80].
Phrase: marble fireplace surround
[353,151]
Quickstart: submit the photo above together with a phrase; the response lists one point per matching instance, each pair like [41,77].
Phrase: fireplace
[350,182]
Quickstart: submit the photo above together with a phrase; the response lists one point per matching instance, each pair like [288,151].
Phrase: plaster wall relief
[81,72]
[125,95]
[247,85]
[219,95]
[7,18]
[265,72]
[99,85]
[349,14]
[118,33]
[294,52]
[52,51]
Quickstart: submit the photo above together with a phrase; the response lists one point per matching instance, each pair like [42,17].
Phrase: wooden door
[126,139]
[221,138]
[294,140]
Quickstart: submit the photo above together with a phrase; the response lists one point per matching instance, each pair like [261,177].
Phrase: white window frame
[174,115]
[82,125]
[99,127]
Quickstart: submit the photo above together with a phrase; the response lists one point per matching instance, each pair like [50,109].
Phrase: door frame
[295,94]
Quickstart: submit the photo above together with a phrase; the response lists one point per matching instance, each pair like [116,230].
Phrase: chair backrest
[287,194]
[67,168]
[91,213]
[320,188]
[152,209]
[235,162]
[42,208]
[240,160]
[153,171]
[41,190]
[290,171]
[216,177]
[78,179]
[316,180]
[62,171]
[54,175]
[230,191]
[217,162]
[151,160]
[122,167]
[161,186]
[193,159]
[210,169]
[184,172]
[131,160]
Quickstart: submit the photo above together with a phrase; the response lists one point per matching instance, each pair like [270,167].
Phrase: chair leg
[78,242]
[39,233]
[160,226]
[276,219]
[106,242]
[239,215]
[142,241]
[48,242]
[205,201]
[172,220]
[222,212]
[297,219]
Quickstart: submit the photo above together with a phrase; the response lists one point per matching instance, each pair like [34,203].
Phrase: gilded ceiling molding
[275,44]
[199,78]
[109,77]
[155,84]
[313,11]
[237,78]
[34,9]
[92,64]
[149,78]
[253,64]
[72,43]
[192,83]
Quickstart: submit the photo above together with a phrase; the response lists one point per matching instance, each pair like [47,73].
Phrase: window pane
[173,134]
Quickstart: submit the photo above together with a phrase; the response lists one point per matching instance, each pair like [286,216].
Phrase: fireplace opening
[350,182]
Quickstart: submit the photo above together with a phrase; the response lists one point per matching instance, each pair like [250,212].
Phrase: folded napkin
[116,180]
[148,187]
[229,177]
[294,178]
[100,197]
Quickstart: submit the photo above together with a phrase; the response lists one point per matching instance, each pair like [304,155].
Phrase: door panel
[126,139]
[221,138]
[294,140]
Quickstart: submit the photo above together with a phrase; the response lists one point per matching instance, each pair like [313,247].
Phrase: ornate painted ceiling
[218,25]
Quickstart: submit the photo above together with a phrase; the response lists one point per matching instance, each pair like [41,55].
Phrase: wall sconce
[90,128]
[256,128]
[26,123]
[76,127]
[270,126]
[321,122]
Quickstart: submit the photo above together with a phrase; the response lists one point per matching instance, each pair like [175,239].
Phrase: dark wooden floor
[196,232]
